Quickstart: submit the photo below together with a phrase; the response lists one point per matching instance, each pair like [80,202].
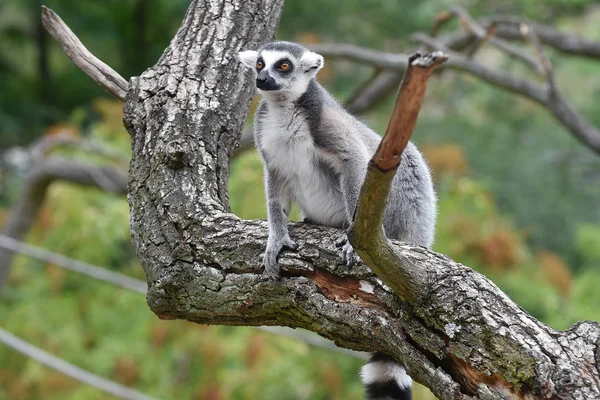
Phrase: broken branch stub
[406,111]
[366,233]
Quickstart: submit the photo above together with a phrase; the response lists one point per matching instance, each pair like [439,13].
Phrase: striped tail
[385,379]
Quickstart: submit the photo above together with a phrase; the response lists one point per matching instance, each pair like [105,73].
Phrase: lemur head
[284,69]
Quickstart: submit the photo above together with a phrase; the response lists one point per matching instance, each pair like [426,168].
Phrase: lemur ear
[248,58]
[312,62]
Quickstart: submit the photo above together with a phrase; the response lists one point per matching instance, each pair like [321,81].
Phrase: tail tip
[384,378]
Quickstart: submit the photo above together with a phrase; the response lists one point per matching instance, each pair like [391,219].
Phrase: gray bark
[455,331]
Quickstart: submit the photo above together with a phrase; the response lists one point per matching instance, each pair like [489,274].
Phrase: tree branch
[375,90]
[548,96]
[551,99]
[101,73]
[460,335]
[545,65]
[366,234]
[482,34]
[43,173]
[508,27]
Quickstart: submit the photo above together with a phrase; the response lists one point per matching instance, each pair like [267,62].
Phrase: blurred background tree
[518,195]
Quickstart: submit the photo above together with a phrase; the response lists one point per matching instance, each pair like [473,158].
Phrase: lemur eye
[259,65]
[285,66]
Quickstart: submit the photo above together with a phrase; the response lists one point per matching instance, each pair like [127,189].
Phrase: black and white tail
[385,379]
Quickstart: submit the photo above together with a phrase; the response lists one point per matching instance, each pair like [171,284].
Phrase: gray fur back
[344,145]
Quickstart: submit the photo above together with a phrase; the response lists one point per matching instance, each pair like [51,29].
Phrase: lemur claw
[347,252]
[274,247]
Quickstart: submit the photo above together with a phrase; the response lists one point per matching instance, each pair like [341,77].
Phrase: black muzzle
[264,81]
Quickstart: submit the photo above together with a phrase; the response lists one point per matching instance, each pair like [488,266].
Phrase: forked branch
[462,46]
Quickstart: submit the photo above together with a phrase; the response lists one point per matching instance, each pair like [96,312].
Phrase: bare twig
[439,20]
[504,80]
[101,73]
[508,27]
[483,35]
[552,100]
[456,61]
[546,96]
[384,82]
[476,34]
[546,66]
[69,369]
[482,40]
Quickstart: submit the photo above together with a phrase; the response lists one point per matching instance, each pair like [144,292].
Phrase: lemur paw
[347,252]
[274,247]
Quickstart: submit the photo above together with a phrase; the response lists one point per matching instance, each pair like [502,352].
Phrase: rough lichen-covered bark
[460,336]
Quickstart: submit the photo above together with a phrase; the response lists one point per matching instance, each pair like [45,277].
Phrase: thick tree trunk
[455,331]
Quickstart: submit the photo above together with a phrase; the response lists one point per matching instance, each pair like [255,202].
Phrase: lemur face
[282,68]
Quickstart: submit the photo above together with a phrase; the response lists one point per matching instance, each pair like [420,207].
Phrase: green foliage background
[518,199]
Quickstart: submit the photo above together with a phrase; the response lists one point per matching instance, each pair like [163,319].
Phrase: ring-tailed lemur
[315,154]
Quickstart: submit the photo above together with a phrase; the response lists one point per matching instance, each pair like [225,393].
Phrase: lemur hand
[348,254]
[274,247]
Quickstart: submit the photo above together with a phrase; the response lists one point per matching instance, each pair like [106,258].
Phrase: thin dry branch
[101,73]
[549,96]
[375,90]
[583,130]
[508,27]
[489,33]
[483,35]
[545,64]
[475,35]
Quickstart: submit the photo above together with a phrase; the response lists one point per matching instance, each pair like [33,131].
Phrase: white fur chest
[286,141]
[289,149]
